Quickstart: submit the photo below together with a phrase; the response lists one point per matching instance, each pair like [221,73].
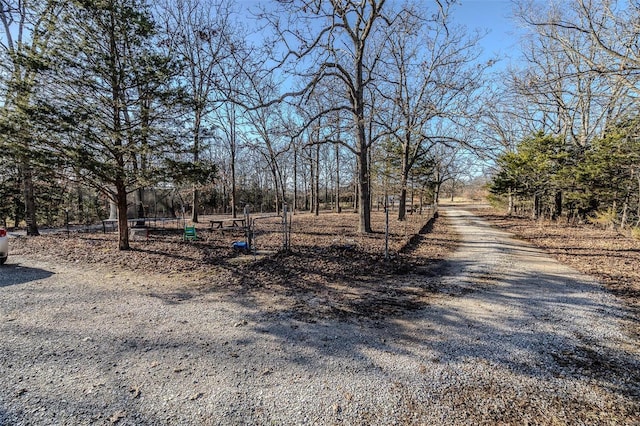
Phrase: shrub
[605,219]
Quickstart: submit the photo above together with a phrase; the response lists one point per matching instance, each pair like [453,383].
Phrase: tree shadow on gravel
[527,342]
[337,283]
[414,242]
[504,348]
[257,352]
[15,274]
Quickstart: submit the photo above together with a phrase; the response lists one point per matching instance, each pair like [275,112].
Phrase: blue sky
[492,15]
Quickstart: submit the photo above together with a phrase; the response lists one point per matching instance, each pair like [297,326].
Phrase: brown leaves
[331,271]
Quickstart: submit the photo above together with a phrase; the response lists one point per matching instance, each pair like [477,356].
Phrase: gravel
[512,337]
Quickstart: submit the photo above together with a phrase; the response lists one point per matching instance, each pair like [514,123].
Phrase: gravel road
[512,338]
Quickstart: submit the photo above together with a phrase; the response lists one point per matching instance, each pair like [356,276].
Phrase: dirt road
[513,338]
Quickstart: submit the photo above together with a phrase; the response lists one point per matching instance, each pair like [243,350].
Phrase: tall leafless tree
[200,33]
[432,74]
[577,77]
[339,42]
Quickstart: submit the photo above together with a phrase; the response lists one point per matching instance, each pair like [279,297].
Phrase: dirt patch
[331,271]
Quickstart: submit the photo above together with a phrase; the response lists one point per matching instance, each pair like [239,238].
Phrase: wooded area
[131,108]
[577,115]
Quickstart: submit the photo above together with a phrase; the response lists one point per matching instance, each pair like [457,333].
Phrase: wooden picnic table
[142,223]
[152,222]
[233,223]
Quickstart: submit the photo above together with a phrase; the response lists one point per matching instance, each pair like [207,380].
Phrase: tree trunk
[295,181]
[123,224]
[557,210]
[316,183]
[234,190]
[453,189]
[232,143]
[195,200]
[404,177]
[276,192]
[536,207]
[338,208]
[29,200]
[364,193]
[140,213]
[195,197]
[402,204]
[510,207]
[312,187]
[355,189]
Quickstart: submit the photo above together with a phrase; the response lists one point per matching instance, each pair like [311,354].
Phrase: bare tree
[608,26]
[199,32]
[431,73]
[339,42]
[577,76]
[265,129]
[228,118]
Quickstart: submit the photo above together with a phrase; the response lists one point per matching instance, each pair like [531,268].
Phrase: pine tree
[28,26]
[109,91]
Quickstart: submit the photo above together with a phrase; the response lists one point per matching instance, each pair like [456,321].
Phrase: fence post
[286,228]
[386,231]
[248,227]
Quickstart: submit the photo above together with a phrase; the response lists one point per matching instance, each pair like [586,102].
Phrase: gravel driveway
[512,338]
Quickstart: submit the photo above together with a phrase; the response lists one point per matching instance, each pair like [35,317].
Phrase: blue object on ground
[240,245]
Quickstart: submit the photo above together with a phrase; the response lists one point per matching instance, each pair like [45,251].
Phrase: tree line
[565,123]
[105,102]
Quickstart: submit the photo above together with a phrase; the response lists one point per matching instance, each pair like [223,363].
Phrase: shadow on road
[14,274]
[510,337]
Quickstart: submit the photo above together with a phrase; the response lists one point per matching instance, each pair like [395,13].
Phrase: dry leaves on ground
[330,271]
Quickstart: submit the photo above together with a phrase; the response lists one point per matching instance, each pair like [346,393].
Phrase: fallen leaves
[331,270]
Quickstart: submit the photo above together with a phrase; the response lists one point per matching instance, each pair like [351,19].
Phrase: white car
[4,245]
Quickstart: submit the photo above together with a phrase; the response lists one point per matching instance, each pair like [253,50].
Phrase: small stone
[116,417]
[195,396]
[135,391]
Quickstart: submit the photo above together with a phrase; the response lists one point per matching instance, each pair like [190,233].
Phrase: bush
[605,219]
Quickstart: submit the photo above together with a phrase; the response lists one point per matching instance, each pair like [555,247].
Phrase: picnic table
[228,224]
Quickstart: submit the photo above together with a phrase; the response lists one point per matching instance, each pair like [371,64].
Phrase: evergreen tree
[27,28]
[109,92]
[609,177]
[534,171]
